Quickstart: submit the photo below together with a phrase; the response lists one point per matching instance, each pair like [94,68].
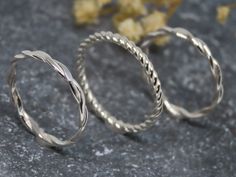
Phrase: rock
[203,147]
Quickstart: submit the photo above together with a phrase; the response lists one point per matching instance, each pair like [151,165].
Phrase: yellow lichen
[131,29]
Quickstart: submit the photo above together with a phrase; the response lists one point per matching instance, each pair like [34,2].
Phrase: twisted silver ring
[28,121]
[154,83]
[175,110]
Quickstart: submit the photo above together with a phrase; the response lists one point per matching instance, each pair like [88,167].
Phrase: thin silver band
[113,122]
[175,110]
[28,121]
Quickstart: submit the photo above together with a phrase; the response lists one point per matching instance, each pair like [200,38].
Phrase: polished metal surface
[154,83]
[46,138]
[175,110]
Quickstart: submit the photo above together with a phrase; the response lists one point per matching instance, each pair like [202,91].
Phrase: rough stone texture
[205,147]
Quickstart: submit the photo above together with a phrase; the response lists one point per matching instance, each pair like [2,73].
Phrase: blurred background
[181,148]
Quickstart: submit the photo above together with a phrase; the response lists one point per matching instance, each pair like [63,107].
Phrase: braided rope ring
[96,107]
[27,120]
[175,110]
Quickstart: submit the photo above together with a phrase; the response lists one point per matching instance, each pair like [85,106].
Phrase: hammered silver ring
[116,124]
[175,110]
[46,138]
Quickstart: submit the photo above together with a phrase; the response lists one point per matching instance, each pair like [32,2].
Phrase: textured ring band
[154,83]
[28,121]
[175,110]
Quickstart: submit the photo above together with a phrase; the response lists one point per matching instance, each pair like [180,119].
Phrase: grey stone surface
[205,147]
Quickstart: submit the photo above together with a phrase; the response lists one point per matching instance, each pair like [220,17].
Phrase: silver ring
[175,110]
[97,108]
[28,121]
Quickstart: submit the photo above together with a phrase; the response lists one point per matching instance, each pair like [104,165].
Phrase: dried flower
[172,7]
[118,18]
[162,40]
[103,2]
[169,5]
[131,29]
[132,18]
[153,22]
[222,14]
[87,11]
[131,8]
